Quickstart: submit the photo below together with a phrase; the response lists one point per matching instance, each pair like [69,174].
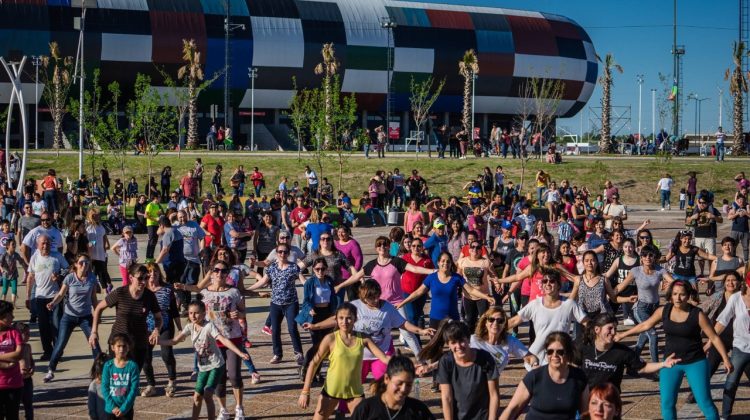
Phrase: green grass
[636,178]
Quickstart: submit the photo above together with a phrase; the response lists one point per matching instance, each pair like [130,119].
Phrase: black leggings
[100,269]
[28,398]
[152,239]
[473,309]
[10,401]
[321,314]
[233,371]
[167,355]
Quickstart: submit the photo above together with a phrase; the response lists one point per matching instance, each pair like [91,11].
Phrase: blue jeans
[693,280]
[400,193]
[50,198]
[740,361]
[665,198]
[67,324]
[720,152]
[189,276]
[278,313]
[504,148]
[642,312]
[372,211]
[415,309]
[367,150]
[697,376]
[539,193]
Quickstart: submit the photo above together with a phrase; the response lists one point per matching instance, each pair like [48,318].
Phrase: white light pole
[721,97]
[473,85]
[639,78]
[82,78]
[36,61]
[653,114]
[252,73]
[389,24]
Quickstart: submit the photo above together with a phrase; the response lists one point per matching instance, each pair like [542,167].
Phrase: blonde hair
[481,329]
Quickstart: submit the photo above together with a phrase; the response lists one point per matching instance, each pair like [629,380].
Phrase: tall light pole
[388,24]
[81,78]
[252,73]
[36,61]
[653,114]
[639,78]
[473,85]
[694,97]
[721,99]
[228,28]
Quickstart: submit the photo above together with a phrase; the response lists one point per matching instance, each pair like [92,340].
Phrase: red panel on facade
[496,64]
[572,90]
[564,29]
[450,20]
[168,29]
[532,35]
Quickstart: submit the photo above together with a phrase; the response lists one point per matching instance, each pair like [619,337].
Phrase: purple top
[691,187]
[353,253]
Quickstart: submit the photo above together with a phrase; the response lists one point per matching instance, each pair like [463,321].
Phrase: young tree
[152,121]
[328,68]
[300,113]
[606,81]
[547,94]
[343,117]
[422,98]
[120,142]
[663,107]
[468,68]
[737,87]
[95,129]
[523,124]
[57,76]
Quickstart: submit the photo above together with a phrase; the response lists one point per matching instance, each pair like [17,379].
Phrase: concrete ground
[276,396]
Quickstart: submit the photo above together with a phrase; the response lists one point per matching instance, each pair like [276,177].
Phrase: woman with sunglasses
[603,360]
[555,391]
[548,314]
[98,246]
[410,282]
[170,323]
[531,267]
[685,253]
[318,304]
[351,249]
[283,275]
[609,252]
[132,303]
[645,238]
[649,279]
[444,287]
[727,263]
[478,273]
[492,336]
[683,324]
[78,290]
[336,261]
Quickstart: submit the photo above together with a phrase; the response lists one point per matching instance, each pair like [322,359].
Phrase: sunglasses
[83,262]
[220,270]
[319,269]
[416,246]
[549,281]
[647,256]
[644,237]
[327,238]
[142,278]
[44,220]
[475,247]
[493,320]
[558,352]
[282,251]
[379,245]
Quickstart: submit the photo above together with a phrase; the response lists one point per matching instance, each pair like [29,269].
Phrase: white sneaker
[628,321]
[662,209]
[239,414]
[223,414]
[669,207]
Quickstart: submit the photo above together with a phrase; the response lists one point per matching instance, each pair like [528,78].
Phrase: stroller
[115,219]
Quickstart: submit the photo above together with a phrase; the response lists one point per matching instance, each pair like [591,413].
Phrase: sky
[639,35]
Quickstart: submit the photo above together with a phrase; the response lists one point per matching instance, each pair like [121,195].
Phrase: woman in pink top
[532,273]
[11,347]
[412,215]
[353,253]
[387,271]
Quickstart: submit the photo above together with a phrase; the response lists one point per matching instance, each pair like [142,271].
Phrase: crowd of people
[561,262]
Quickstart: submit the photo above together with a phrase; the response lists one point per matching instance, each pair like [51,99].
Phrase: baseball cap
[506,224]
[438,223]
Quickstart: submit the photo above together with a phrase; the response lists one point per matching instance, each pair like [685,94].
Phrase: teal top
[119,386]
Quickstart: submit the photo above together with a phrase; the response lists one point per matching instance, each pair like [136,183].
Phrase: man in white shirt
[312,181]
[612,210]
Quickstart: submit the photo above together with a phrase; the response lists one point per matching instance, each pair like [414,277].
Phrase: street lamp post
[81,79]
[639,78]
[473,85]
[228,28]
[36,61]
[252,73]
[653,114]
[721,97]
[388,24]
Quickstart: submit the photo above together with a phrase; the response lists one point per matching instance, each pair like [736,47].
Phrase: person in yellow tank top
[344,349]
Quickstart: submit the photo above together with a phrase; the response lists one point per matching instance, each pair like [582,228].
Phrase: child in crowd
[5,235]
[126,248]
[599,203]
[683,198]
[95,397]
[396,236]
[9,262]
[565,229]
[27,370]
[120,379]
[204,336]
[725,207]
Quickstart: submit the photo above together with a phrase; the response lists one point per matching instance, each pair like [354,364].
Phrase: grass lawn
[636,177]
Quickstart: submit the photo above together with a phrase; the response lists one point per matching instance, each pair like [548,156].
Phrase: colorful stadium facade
[283,39]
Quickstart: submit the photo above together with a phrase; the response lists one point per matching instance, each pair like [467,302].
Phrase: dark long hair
[397,364]
[448,330]
[599,321]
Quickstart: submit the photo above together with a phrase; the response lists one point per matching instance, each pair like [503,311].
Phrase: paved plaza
[275,397]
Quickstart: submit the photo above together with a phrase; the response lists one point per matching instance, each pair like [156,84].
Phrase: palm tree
[468,67]
[56,88]
[737,86]
[328,68]
[191,73]
[605,142]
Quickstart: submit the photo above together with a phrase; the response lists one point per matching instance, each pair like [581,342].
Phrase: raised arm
[414,295]
[643,326]
[325,348]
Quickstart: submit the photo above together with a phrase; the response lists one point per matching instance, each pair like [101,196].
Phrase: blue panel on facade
[23,42]
[490,22]
[218,7]
[495,41]
[571,48]
[316,10]
[64,3]
[183,6]
[591,71]
[404,16]
[241,51]
[323,32]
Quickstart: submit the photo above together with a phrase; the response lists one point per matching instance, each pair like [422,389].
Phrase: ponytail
[448,330]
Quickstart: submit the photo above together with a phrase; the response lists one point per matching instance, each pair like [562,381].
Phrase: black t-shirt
[131,314]
[471,399]
[513,258]
[705,228]
[685,262]
[373,408]
[610,365]
[553,401]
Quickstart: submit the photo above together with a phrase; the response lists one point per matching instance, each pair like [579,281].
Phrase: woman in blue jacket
[318,303]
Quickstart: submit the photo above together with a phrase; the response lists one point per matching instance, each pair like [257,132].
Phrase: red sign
[394,131]
[256,113]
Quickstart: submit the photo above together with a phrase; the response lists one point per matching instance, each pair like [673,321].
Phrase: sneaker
[266,330]
[299,358]
[49,377]
[275,360]
[149,391]
[669,207]
[223,414]
[628,322]
[170,389]
[193,376]
[662,209]
[239,414]
[255,378]
[435,388]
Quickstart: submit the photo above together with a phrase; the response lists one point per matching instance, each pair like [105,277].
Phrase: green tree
[468,68]
[328,68]
[300,115]
[423,96]
[95,129]
[737,88]
[606,81]
[57,76]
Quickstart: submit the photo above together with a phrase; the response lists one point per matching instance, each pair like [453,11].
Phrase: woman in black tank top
[683,324]
[685,255]
[617,273]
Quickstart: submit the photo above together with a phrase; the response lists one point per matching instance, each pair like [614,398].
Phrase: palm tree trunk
[192,132]
[738,146]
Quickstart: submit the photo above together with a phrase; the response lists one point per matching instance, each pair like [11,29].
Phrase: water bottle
[416,389]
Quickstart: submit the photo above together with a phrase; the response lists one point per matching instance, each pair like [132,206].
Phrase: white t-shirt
[501,352]
[38,207]
[665,184]
[548,320]
[44,270]
[737,310]
[95,235]
[55,238]
[312,177]
[204,343]
[377,323]
[614,210]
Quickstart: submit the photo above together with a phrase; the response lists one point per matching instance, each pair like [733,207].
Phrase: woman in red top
[567,259]
[411,281]
[258,181]
[51,185]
